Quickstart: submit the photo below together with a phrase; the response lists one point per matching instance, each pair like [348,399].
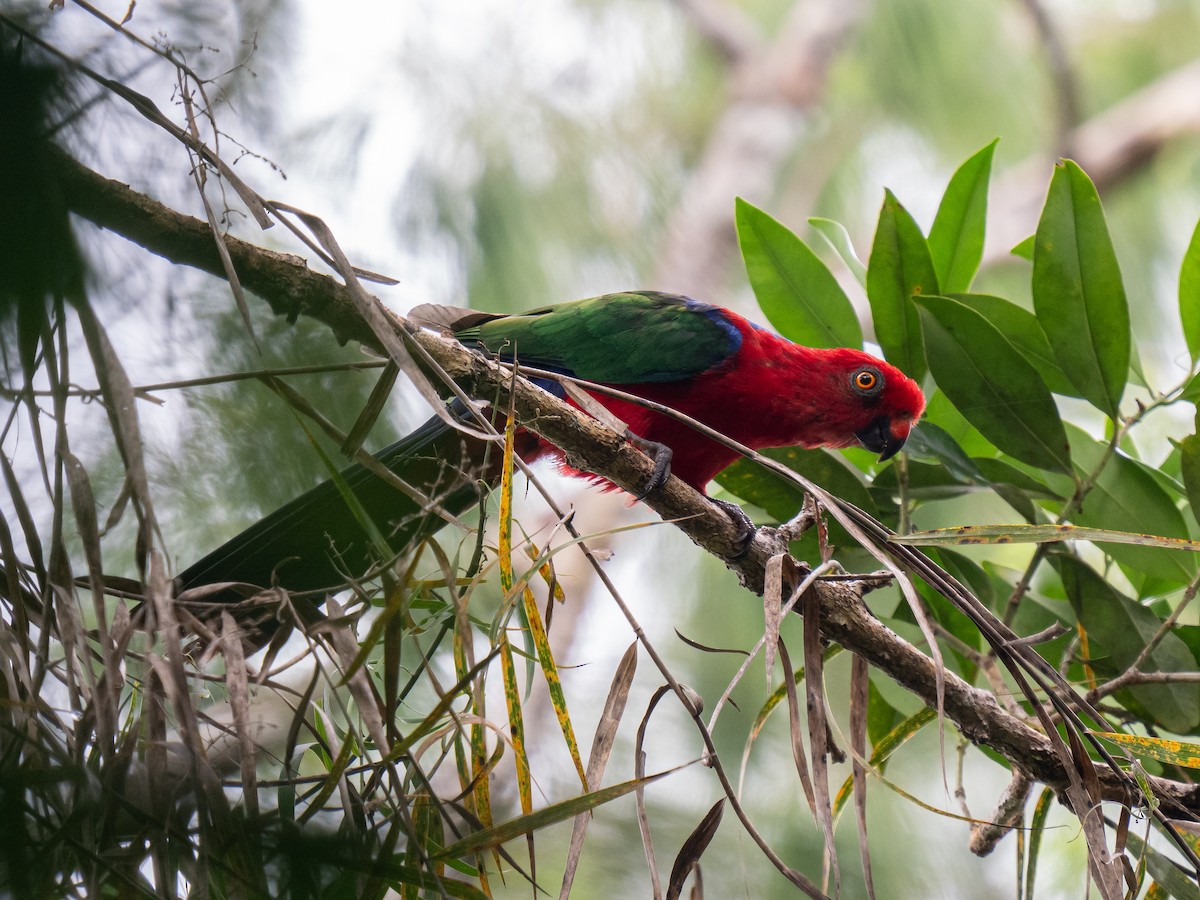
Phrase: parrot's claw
[661,454]
[746,529]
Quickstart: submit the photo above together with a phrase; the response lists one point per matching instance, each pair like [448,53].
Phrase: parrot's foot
[746,529]
[660,453]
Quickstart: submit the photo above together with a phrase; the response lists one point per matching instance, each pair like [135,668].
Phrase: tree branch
[290,288]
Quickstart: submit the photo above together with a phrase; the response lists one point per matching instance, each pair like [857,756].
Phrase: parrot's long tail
[318,541]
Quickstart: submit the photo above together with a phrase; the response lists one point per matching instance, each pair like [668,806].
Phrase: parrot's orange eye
[868,381]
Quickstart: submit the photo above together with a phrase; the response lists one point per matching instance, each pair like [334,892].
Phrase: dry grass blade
[231,275]
[693,848]
[800,590]
[796,733]
[773,587]
[859,696]
[639,771]
[376,403]
[106,696]
[237,683]
[384,328]
[121,405]
[367,702]
[602,744]
[818,727]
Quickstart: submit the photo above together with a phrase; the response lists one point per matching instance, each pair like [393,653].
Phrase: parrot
[704,361]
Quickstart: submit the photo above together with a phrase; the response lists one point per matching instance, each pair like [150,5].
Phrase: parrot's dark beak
[879,438]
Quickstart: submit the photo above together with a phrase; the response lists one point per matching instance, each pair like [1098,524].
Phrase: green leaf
[1024,332]
[1168,876]
[929,441]
[1189,460]
[1118,629]
[798,294]
[490,838]
[782,499]
[900,267]
[956,237]
[1077,290]
[838,238]
[996,471]
[1024,249]
[1189,294]
[995,388]
[1128,497]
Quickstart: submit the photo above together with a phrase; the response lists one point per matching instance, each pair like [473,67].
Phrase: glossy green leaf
[1077,290]
[933,442]
[1024,332]
[1118,629]
[795,290]
[995,388]
[942,412]
[838,238]
[1189,294]
[1128,497]
[956,237]
[997,471]
[900,267]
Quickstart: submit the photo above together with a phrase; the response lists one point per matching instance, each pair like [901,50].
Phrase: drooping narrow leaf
[1077,290]
[838,238]
[1189,294]
[901,734]
[1039,534]
[491,837]
[900,267]
[516,726]
[995,388]
[797,293]
[1177,753]
[1037,827]
[956,236]
[553,684]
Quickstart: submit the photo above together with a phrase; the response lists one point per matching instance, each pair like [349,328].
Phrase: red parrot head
[879,403]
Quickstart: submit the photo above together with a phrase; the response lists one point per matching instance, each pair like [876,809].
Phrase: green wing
[627,338]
